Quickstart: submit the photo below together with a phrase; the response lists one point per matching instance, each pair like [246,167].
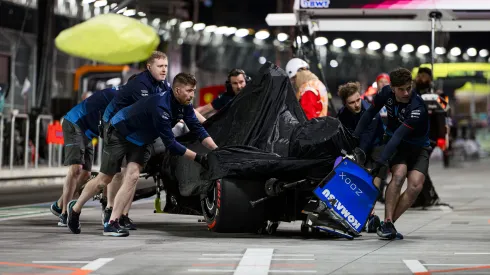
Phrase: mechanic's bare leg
[414,187]
[399,173]
[113,187]
[130,202]
[91,189]
[124,195]
[76,174]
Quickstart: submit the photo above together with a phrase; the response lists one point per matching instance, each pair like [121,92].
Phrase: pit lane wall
[35,185]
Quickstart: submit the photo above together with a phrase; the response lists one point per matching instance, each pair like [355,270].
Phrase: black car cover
[262,133]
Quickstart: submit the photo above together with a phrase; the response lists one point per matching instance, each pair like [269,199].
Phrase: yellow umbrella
[109,38]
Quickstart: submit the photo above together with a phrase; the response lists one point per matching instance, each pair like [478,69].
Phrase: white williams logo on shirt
[415,114]
[144,93]
[165,116]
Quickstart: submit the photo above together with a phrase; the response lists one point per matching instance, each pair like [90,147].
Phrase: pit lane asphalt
[439,239]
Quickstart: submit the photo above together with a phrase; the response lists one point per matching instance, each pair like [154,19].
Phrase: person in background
[310,91]
[237,80]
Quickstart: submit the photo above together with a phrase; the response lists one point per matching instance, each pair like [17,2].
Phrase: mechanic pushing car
[130,133]
[310,91]
[80,125]
[370,141]
[151,81]
[407,146]
[237,80]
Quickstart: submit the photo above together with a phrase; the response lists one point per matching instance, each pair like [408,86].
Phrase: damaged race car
[273,165]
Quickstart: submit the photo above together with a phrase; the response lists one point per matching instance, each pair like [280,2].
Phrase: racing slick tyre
[227,207]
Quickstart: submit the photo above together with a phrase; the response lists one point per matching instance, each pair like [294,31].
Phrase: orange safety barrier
[55,133]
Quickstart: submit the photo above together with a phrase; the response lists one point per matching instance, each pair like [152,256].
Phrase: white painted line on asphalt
[211,270]
[60,262]
[275,255]
[94,265]
[255,261]
[20,216]
[273,259]
[472,253]
[415,266]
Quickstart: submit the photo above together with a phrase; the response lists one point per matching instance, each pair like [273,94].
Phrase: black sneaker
[62,221]
[113,229]
[373,223]
[127,223]
[106,215]
[73,220]
[55,209]
[387,231]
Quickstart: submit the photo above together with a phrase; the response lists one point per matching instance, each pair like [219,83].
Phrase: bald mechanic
[237,80]
[406,151]
[129,135]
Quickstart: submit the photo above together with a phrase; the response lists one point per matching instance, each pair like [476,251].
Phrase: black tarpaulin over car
[262,133]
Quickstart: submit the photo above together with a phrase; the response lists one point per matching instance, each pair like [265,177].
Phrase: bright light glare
[424,49]
[199,27]
[242,32]
[483,53]
[339,43]
[334,63]
[173,21]
[129,12]
[210,28]
[304,38]
[185,25]
[282,37]
[374,45]
[455,51]
[320,41]
[408,48]
[262,35]
[357,44]
[472,52]
[440,50]
[262,60]
[221,30]
[391,48]
[230,31]
[102,3]
[140,13]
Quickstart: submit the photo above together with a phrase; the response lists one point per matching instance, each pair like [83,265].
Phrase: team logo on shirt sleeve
[165,115]
[415,114]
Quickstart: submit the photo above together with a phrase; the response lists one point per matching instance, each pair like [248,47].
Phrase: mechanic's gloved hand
[202,160]
[360,156]
[378,165]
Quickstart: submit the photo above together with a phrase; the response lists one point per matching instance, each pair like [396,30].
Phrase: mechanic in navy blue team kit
[132,130]
[237,80]
[80,125]
[407,145]
[369,149]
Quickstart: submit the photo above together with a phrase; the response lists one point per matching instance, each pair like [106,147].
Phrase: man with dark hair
[129,135]
[350,115]
[423,81]
[406,150]
[237,80]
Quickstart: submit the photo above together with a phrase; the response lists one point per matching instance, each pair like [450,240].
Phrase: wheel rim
[210,203]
